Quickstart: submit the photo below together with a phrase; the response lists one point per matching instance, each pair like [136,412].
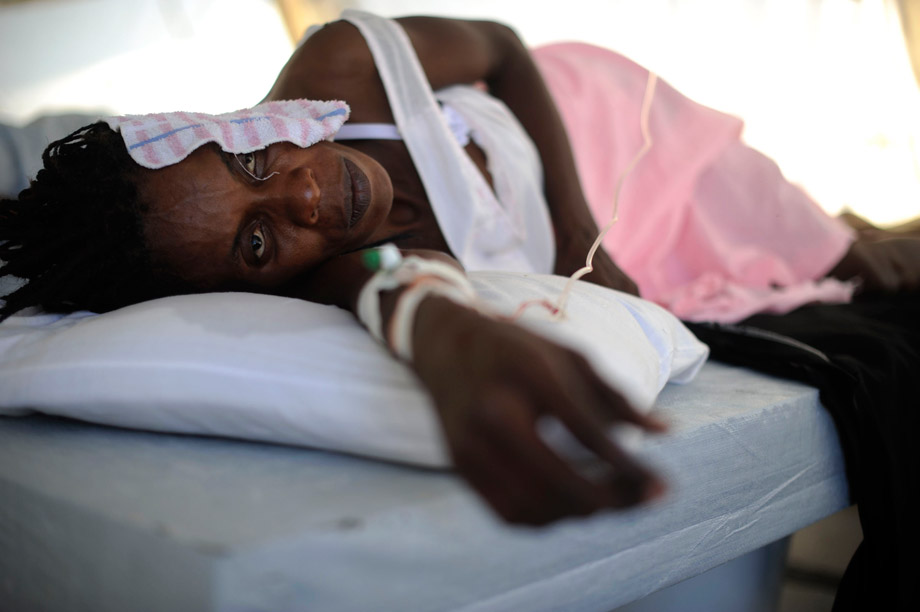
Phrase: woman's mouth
[357,192]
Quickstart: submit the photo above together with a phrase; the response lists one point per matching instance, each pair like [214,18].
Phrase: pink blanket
[709,228]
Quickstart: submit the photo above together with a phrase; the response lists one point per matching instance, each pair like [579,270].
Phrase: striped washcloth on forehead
[163,139]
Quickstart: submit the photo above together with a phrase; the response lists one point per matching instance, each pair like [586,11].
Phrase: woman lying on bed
[98,230]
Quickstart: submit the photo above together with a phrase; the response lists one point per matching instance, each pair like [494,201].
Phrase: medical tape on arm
[420,278]
[403,320]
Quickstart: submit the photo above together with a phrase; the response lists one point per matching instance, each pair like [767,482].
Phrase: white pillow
[282,370]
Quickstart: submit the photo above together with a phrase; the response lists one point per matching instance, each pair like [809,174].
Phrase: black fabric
[864,358]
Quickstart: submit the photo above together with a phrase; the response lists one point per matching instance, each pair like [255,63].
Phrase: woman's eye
[257,242]
[248,162]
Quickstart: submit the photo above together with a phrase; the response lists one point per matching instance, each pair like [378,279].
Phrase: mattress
[97,518]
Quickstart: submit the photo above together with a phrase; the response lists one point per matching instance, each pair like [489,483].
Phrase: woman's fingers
[497,460]
[490,393]
[905,259]
[488,471]
[618,279]
[578,407]
[514,430]
[881,273]
[592,393]
[631,482]
[523,479]
[610,403]
[887,264]
[606,273]
[570,257]
[618,408]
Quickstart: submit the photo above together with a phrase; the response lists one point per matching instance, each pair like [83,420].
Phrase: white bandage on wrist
[368,309]
[421,278]
[403,319]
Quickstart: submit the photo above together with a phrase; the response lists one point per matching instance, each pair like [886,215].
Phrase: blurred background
[826,87]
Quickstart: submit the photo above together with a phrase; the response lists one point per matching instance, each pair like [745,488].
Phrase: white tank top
[508,229]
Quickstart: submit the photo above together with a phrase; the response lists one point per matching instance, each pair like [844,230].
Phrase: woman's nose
[303,197]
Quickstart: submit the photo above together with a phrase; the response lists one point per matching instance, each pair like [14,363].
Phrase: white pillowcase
[286,371]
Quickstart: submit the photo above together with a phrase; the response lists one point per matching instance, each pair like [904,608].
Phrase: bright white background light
[139,56]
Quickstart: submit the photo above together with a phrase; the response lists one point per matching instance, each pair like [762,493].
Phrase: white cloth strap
[420,278]
[368,131]
[388,131]
[403,322]
[424,129]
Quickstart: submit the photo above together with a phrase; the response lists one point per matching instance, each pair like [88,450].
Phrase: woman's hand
[492,382]
[571,251]
[881,263]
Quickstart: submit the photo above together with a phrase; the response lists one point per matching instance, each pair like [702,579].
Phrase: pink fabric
[708,228]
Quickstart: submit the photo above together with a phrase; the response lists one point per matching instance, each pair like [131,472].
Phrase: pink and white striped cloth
[163,139]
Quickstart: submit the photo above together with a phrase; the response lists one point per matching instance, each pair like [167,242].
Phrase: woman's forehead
[191,219]
[187,186]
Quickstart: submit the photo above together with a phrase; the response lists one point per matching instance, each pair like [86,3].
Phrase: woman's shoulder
[338,46]
[335,63]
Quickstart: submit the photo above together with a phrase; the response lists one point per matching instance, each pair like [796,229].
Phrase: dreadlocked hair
[75,235]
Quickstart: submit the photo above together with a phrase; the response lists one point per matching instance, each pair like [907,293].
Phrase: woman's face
[255,221]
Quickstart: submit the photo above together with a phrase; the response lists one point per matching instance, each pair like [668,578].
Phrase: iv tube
[558,309]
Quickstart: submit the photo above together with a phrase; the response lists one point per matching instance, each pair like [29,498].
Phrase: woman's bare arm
[491,382]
